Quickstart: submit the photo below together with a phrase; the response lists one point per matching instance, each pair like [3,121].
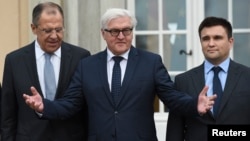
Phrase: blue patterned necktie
[116,79]
[217,89]
[49,78]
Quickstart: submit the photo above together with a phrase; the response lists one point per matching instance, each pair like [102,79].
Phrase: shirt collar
[224,65]
[39,52]
[110,55]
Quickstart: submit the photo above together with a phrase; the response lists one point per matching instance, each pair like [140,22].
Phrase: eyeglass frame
[49,31]
[116,32]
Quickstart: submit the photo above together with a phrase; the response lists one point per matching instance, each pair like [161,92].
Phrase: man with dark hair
[232,80]
[28,67]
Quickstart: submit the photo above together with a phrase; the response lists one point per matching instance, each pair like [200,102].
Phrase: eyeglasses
[116,32]
[49,31]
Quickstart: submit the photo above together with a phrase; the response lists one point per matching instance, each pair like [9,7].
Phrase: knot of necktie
[47,56]
[216,69]
[117,59]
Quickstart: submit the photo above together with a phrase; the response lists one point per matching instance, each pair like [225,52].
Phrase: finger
[209,108]
[212,97]
[211,103]
[32,104]
[33,90]
[204,91]
[25,96]
[28,101]
[38,104]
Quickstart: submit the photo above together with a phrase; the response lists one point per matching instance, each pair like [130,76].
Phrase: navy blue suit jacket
[133,117]
[19,122]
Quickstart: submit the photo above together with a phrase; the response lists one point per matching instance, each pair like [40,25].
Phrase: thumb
[204,91]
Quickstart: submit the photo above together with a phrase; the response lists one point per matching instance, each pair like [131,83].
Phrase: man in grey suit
[216,40]
[128,116]
[24,68]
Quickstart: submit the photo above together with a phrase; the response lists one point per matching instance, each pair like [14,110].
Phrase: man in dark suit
[24,68]
[216,40]
[128,116]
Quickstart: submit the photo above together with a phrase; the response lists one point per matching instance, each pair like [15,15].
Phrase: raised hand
[205,103]
[35,101]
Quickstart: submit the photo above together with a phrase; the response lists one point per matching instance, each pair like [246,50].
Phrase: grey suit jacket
[133,117]
[233,109]
[19,122]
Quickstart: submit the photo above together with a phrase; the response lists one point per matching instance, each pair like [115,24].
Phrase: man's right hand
[34,101]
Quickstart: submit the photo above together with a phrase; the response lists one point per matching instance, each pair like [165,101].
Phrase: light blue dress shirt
[209,74]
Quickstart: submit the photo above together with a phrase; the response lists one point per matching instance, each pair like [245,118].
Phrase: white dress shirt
[40,61]
[110,64]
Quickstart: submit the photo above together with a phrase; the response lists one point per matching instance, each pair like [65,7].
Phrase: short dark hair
[38,9]
[214,21]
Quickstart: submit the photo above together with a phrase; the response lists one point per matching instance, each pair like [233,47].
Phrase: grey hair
[114,13]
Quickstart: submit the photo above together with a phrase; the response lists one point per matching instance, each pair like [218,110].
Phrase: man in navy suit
[23,68]
[216,41]
[143,75]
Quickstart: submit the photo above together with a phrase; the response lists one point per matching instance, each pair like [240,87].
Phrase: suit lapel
[30,63]
[131,66]
[66,58]
[102,68]
[231,82]
[198,80]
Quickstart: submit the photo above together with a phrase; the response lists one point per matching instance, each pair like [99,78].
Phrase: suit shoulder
[145,52]
[99,55]
[191,71]
[240,65]
[75,48]
[20,51]
[147,56]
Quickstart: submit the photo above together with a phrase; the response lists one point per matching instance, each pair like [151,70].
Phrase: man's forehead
[51,11]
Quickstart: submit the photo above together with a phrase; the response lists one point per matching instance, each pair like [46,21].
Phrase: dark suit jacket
[19,122]
[133,118]
[0,107]
[234,107]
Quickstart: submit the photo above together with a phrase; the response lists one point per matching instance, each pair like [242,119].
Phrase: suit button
[116,112]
